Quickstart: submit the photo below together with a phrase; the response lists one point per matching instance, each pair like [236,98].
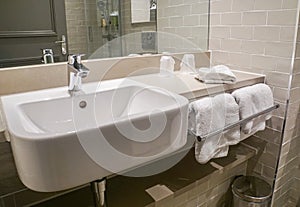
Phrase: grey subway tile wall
[259,36]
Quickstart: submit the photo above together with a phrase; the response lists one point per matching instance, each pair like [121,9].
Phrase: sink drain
[82,104]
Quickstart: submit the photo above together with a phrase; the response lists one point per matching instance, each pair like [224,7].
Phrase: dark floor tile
[9,201]
[5,148]
[256,142]
[9,180]
[231,157]
[27,197]
[123,191]
[79,198]
[2,137]
[10,185]
[131,191]
[1,203]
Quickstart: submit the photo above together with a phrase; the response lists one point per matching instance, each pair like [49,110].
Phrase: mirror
[105,20]
[94,24]
[187,20]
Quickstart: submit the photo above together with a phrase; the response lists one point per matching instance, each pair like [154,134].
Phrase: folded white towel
[217,74]
[208,115]
[220,152]
[251,100]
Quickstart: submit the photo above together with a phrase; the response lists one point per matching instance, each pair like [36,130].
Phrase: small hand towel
[208,115]
[251,100]
[217,75]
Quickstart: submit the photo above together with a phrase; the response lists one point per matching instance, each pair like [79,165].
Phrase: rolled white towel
[208,115]
[251,100]
[217,74]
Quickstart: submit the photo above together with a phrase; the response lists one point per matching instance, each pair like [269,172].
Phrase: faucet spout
[76,72]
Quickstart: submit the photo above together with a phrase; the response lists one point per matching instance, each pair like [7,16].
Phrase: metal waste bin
[251,191]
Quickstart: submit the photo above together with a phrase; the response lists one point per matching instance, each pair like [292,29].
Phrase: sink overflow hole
[82,104]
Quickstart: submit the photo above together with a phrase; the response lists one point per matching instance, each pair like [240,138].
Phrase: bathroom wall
[294,193]
[259,36]
[76,26]
[93,28]
[84,33]
[187,19]
[287,188]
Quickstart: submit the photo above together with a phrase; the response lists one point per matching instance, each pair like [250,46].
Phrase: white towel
[217,75]
[208,115]
[251,100]
[140,11]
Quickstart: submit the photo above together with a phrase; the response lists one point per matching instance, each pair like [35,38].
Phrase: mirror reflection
[106,20]
[57,28]
[113,18]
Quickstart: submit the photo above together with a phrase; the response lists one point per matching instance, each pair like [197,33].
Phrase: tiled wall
[131,33]
[76,26]
[94,30]
[295,100]
[84,33]
[258,36]
[212,192]
[185,18]
[287,187]
[127,26]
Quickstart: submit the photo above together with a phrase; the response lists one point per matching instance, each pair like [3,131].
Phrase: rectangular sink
[61,141]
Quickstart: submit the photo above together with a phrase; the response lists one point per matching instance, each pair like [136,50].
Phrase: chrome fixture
[98,189]
[76,71]
[47,56]
[153,4]
[63,43]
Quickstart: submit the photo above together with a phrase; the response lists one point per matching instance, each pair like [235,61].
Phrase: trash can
[251,191]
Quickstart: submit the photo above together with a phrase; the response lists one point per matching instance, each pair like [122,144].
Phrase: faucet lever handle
[71,59]
[79,57]
[75,58]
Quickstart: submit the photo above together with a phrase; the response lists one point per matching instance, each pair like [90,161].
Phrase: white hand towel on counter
[217,74]
[208,115]
[251,100]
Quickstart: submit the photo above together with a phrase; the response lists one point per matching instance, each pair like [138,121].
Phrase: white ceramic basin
[60,142]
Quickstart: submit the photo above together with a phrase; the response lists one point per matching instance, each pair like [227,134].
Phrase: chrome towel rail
[240,122]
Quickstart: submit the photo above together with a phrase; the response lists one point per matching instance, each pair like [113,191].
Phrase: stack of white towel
[208,115]
[213,113]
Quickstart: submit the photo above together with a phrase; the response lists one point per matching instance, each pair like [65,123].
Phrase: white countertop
[188,86]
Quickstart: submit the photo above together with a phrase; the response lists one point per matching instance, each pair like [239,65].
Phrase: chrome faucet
[76,71]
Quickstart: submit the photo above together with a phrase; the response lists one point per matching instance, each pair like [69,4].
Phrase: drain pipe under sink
[98,189]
